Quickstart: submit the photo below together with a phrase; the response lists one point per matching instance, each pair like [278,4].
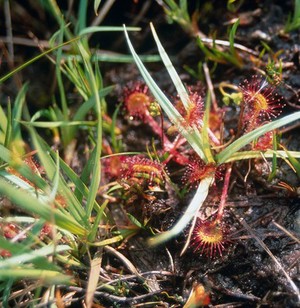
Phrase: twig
[126,262]
[9,33]
[290,234]
[294,288]
[227,44]
[210,87]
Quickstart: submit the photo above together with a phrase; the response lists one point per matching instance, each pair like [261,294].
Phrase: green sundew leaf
[184,97]
[190,134]
[36,207]
[96,6]
[192,210]
[48,277]
[244,140]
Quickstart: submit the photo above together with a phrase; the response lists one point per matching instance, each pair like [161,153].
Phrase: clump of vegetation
[91,190]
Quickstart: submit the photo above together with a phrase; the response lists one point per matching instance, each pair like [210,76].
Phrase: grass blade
[192,136]
[96,6]
[48,277]
[31,255]
[37,207]
[193,208]
[246,139]
[184,97]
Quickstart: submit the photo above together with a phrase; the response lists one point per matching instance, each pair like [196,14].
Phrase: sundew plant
[259,106]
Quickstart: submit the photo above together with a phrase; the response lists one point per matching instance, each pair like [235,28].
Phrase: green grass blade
[204,132]
[8,128]
[184,97]
[75,179]
[66,138]
[31,255]
[96,6]
[19,68]
[53,124]
[232,35]
[95,29]
[94,230]
[47,277]
[256,154]
[295,163]
[36,207]
[22,168]
[192,136]
[82,13]
[13,248]
[113,57]
[246,139]
[192,210]
[96,170]
[17,111]
[74,207]
[3,119]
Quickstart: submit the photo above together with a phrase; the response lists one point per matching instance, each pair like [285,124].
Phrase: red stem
[224,193]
